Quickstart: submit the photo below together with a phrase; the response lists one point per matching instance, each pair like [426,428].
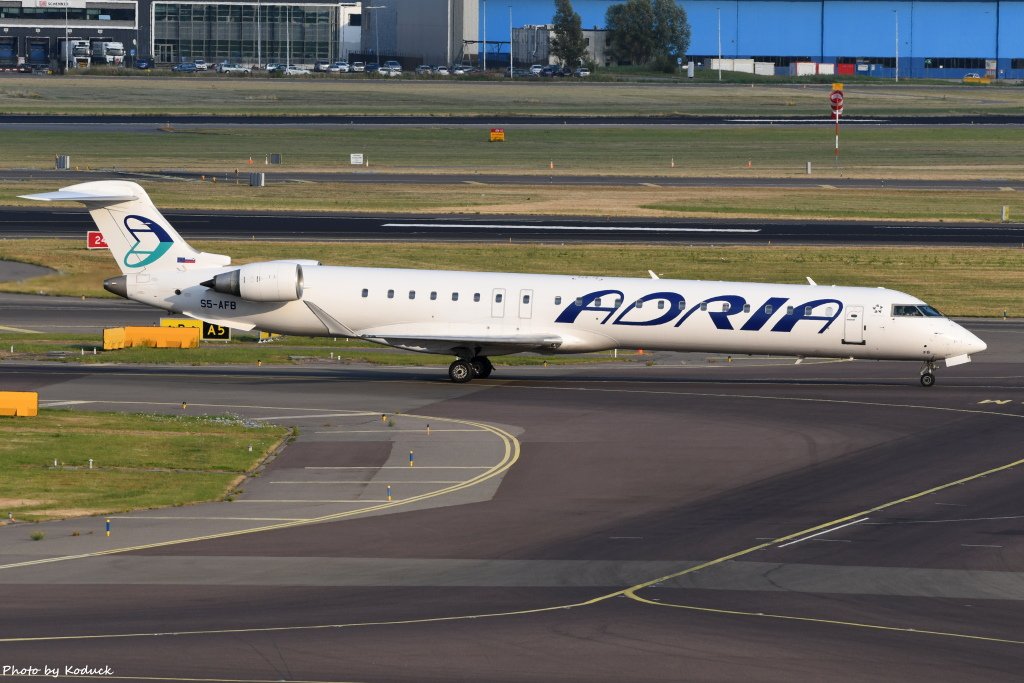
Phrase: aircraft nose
[974,344]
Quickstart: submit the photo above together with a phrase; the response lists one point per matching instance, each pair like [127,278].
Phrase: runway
[756,520]
[210,225]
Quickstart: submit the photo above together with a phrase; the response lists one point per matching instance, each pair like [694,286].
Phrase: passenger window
[726,306]
[746,308]
[366,293]
[597,301]
[433,296]
[412,294]
[391,294]
[789,310]
[558,301]
[829,311]
[526,298]
[682,304]
[704,305]
[661,304]
[639,303]
[768,309]
[476,296]
[807,310]
[579,301]
[617,302]
[455,296]
[497,298]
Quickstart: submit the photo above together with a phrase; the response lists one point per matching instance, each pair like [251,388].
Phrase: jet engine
[270,281]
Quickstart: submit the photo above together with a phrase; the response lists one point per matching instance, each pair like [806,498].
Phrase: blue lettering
[720,318]
[674,302]
[760,317]
[806,312]
[588,302]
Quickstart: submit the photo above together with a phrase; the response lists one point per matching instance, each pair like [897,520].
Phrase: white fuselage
[582,313]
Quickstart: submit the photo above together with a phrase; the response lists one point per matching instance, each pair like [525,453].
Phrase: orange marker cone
[551,165]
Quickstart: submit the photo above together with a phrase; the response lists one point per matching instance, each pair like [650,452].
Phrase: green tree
[642,31]
[568,45]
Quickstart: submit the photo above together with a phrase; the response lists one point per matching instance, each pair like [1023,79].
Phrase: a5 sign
[94,240]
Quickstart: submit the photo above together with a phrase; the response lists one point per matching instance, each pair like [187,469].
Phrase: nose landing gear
[928,374]
[462,370]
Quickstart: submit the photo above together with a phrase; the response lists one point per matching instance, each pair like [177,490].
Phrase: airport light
[897,13]
[718,12]
[376,31]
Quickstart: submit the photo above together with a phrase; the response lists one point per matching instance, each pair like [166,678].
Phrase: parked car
[459,70]
[581,72]
[292,70]
[517,72]
[185,68]
[144,62]
[372,67]
[550,71]
[358,67]
[232,69]
[536,69]
[391,68]
[424,70]
[339,68]
[441,71]
[201,64]
[321,65]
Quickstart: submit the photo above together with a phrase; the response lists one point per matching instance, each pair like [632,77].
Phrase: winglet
[654,276]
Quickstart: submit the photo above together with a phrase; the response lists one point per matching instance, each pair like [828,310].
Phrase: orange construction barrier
[19,403]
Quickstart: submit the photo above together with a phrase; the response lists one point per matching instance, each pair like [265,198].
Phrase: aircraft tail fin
[138,236]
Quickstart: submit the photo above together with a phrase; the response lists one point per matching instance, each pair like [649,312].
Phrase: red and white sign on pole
[94,240]
[836,100]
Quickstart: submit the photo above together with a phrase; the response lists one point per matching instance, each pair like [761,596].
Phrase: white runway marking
[600,228]
[826,531]
[368,481]
[394,431]
[399,467]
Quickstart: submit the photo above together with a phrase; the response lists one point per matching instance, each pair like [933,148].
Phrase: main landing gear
[462,370]
[928,374]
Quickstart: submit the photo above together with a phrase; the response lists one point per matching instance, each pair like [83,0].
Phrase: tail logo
[151,241]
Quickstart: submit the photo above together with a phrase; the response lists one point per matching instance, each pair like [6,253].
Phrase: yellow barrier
[113,338]
[19,403]
[158,337]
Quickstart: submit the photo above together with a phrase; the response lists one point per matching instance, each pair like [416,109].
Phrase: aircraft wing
[480,342]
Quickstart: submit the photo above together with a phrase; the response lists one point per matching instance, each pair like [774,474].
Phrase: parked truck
[114,52]
[75,53]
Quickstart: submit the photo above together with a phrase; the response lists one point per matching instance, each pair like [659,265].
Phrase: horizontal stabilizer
[74,196]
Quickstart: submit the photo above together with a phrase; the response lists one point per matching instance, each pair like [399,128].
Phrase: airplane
[476,315]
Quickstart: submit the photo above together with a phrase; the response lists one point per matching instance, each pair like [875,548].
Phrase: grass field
[958,281]
[771,151]
[250,96]
[139,461]
[621,201]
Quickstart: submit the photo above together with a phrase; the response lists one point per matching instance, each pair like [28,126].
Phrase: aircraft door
[526,304]
[853,330]
[498,303]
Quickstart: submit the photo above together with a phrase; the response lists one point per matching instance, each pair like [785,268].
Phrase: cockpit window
[915,311]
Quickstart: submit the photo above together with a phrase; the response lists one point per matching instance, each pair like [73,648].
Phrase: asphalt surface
[72,223]
[753,520]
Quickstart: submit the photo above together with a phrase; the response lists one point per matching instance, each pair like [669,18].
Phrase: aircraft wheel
[482,367]
[460,371]
[927,379]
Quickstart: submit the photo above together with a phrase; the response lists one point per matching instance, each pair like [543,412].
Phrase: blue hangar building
[932,38]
